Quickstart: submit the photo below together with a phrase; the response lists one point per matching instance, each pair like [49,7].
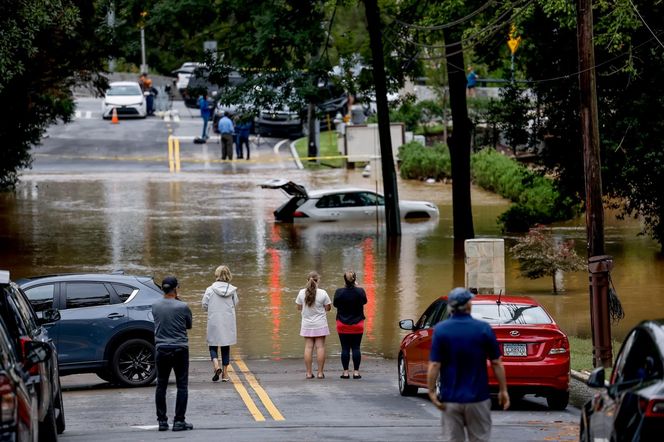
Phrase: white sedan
[341,204]
[125,96]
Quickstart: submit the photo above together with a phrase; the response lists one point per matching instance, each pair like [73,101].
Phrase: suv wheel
[47,429]
[133,363]
[404,388]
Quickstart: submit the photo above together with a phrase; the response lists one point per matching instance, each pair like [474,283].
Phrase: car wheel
[60,418]
[404,388]
[104,375]
[133,363]
[48,428]
[558,400]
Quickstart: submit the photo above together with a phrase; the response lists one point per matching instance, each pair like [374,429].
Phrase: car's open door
[287,186]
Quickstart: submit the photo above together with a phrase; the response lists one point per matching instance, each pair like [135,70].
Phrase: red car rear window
[507,313]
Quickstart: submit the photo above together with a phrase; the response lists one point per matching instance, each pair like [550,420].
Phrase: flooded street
[187,224]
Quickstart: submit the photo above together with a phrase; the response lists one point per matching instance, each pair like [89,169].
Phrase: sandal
[217,372]
[309,376]
[225,379]
[357,376]
[345,376]
[321,376]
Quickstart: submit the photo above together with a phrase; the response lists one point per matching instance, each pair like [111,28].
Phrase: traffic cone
[114,118]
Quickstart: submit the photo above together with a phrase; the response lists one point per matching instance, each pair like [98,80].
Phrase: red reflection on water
[369,286]
[274,292]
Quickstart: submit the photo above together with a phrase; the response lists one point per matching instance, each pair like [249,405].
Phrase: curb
[581,376]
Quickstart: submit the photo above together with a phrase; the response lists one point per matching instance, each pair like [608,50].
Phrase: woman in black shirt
[349,302]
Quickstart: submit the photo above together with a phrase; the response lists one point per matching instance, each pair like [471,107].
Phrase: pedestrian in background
[204,106]
[172,319]
[459,350]
[226,130]
[471,81]
[219,301]
[243,128]
[349,302]
[314,303]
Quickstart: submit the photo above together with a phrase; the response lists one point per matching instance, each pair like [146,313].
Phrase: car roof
[104,277]
[504,299]
[322,192]
[123,83]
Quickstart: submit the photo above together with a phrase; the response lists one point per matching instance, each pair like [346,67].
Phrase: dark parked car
[28,333]
[631,407]
[106,324]
[18,420]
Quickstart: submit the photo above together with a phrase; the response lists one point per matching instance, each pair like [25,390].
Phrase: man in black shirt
[172,319]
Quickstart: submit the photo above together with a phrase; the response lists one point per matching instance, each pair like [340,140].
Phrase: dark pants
[241,141]
[226,146]
[350,342]
[176,359]
[225,354]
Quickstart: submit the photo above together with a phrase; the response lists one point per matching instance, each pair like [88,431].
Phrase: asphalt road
[269,400]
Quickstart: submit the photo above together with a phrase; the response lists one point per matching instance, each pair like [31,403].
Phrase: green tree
[539,255]
[46,47]
[512,114]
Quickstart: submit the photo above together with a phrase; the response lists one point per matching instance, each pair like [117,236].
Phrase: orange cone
[114,118]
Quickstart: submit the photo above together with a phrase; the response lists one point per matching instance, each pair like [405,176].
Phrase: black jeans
[350,342]
[225,354]
[176,359]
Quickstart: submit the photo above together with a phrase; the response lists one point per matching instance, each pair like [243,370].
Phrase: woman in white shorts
[314,303]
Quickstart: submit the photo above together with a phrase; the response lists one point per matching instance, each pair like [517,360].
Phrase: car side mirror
[407,324]
[596,378]
[36,352]
[48,316]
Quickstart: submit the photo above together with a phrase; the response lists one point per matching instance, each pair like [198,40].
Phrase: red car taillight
[8,404]
[298,214]
[560,347]
[652,407]
[34,370]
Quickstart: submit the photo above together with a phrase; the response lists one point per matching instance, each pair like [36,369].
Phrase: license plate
[514,350]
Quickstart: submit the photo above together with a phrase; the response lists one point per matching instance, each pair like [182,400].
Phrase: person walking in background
[226,130]
[243,128]
[204,106]
[314,303]
[459,350]
[172,319]
[219,301]
[471,82]
[349,302]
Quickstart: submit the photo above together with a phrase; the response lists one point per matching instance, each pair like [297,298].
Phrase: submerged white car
[341,204]
[125,96]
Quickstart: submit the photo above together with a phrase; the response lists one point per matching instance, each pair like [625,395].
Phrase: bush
[419,162]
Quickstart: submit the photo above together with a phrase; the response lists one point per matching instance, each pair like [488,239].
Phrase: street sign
[513,41]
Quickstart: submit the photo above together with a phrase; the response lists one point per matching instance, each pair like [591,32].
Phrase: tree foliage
[539,255]
[46,47]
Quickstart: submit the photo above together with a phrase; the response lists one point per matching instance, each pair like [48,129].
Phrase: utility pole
[144,65]
[599,264]
[392,216]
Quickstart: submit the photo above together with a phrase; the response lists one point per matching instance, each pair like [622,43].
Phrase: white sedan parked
[125,96]
[341,204]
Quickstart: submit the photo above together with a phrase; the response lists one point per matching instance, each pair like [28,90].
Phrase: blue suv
[106,325]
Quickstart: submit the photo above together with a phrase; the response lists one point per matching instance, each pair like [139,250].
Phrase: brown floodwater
[188,224]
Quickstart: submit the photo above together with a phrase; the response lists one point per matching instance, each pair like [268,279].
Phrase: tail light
[298,214]
[34,370]
[560,346]
[8,404]
[652,407]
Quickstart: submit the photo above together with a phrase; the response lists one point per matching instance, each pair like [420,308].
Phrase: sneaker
[163,425]
[182,426]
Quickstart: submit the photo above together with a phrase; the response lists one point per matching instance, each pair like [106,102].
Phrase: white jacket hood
[223,289]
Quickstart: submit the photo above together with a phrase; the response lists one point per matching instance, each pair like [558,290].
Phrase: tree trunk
[459,141]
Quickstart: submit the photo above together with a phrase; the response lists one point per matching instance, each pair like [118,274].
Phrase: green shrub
[419,162]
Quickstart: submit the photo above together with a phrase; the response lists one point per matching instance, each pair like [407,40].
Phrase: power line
[646,24]
[445,25]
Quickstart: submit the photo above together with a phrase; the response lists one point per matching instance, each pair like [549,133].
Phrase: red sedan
[535,351]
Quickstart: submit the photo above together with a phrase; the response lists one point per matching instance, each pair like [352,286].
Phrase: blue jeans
[225,354]
[176,359]
[206,119]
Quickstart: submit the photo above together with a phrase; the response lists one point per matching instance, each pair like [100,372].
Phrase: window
[41,296]
[432,315]
[24,310]
[87,295]
[372,199]
[329,202]
[507,313]
[640,361]
[123,291]
[351,200]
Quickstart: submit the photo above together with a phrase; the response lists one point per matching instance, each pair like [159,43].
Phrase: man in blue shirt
[459,350]
[226,130]
[204,106]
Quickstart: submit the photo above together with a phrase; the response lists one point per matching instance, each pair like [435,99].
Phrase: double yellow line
[256,386]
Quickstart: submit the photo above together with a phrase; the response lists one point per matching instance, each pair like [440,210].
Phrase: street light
[144,65]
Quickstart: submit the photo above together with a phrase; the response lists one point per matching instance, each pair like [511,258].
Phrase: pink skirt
[315,332]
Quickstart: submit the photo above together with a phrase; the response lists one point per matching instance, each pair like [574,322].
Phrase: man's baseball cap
[458,297]
[169,283]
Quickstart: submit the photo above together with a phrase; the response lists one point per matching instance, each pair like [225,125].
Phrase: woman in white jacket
[219,301]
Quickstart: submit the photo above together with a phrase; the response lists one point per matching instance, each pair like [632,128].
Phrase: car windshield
[124,90]
[509,313]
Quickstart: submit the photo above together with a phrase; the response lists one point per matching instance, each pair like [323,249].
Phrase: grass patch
[581,353]
[328,148]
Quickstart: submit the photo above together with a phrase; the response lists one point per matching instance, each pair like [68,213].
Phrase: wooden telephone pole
[599,264]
